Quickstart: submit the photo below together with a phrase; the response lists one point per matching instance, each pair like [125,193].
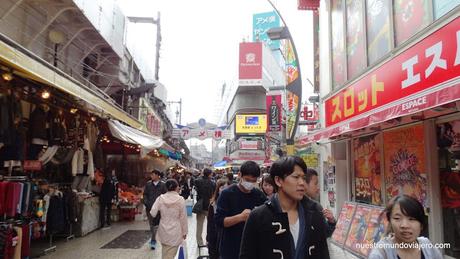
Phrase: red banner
[274,112]
[32,165]
[432,61]
[308,4]
[250,65]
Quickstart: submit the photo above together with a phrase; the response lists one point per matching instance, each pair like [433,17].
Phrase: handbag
[198,207]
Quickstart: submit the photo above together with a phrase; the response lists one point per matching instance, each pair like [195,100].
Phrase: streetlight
[294,84]
[158,41]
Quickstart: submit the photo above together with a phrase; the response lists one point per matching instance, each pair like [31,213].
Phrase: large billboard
[250,64]
[251,123]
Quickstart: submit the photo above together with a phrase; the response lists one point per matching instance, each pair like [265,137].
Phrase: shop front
[395,131]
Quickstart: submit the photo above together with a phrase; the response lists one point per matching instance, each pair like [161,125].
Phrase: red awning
[431,98]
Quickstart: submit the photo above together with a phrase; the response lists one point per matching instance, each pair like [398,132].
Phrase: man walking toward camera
[153,189]
[233,208]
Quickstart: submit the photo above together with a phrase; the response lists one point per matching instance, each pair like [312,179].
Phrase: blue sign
[252,120]
[261,23]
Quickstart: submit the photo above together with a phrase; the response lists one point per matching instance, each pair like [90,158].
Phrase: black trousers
[104,213]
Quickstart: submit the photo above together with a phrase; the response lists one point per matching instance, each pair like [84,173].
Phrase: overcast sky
[200,40]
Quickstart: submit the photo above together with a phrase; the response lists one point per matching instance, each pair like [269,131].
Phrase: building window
[356,48]
[338,44]
[441,7]
[378,29]
[410,17]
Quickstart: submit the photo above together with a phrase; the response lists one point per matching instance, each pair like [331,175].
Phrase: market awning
[31,66]
[431,98]
[134,136]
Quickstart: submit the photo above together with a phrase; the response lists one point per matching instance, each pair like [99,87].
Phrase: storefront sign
[405,172]
[188,133]
[311,160]
[251,124]
[274,112]
[432,61]
[343,223]
[249,144]
[250,64]
[248,155]
[32,165]
[153,124]
[366,152]
[308,4]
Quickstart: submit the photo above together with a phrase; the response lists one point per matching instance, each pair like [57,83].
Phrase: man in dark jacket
[312,192]
[153,189]
[105,200]
[286,226]
[204,190]
[234,206]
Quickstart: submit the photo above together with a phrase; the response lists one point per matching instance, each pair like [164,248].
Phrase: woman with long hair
[407,222]
[171,206]
[213,233]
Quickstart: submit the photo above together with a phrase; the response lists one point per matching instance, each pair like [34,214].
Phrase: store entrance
[448,141]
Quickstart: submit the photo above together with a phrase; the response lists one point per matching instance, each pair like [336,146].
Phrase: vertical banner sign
[294,91]
[367,170]
[274,112]
[250,64]
[261,23]
[405,172]
[316,50]
[343,223]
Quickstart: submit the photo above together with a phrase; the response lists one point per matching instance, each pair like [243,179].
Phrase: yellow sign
[251,123]
[311,160]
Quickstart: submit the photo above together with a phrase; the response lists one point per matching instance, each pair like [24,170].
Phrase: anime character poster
[355,35]
[405,173]
[358,228]
[368,188]
[378,29]
[410,16]
[448,138]
[338,43]
[343,223]
[376,227]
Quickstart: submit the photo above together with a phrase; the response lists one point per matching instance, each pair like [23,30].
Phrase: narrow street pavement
[89,247]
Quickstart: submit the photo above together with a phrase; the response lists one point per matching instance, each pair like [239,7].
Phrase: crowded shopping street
[242,129]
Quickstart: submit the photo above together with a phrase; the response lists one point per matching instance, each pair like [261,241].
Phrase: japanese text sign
[430,62]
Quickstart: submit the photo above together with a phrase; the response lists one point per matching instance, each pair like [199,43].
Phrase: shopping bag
[182,252]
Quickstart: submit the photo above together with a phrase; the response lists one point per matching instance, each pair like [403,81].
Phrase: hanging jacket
[78,163]
[173,223]
[37,124]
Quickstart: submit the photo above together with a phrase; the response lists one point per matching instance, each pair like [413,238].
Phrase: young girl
[173,223]
[214,233]
[267,185]
[407,221]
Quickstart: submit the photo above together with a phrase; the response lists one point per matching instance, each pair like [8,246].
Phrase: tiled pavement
[88,247]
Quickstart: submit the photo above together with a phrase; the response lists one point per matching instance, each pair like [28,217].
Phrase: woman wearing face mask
[214,233]
[267,185]
[407,221]
[171,206]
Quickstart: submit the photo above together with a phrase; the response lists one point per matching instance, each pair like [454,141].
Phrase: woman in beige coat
[171,207]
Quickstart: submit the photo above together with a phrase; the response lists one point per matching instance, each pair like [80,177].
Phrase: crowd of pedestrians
[269,215]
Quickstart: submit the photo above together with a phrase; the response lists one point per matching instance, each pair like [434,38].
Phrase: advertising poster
[274,112]
[375,229]
[291,114]
[410,17]
[405,173]
[367,170]
[355,33]
[338,44]
[261,23]
[343,223]
[448,138]
[251,123]
[358,227]
[250,64]
[378,29]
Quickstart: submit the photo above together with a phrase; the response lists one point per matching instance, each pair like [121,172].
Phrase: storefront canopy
[431,98]
[134,136]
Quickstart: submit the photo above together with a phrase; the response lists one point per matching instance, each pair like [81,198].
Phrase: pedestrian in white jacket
[171,207]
